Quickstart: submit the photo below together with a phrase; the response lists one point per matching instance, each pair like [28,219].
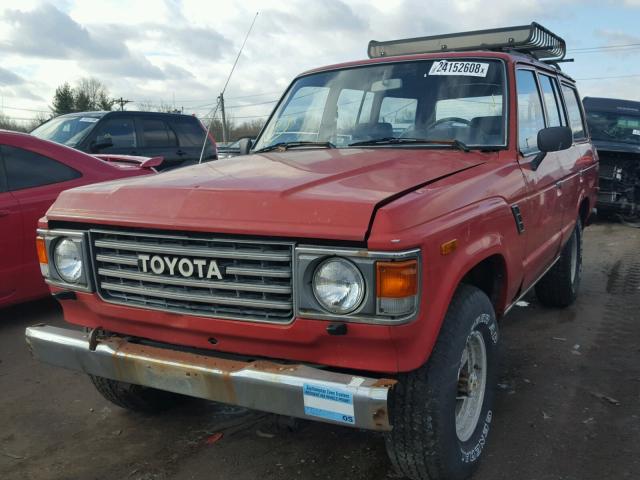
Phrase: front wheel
[442,412]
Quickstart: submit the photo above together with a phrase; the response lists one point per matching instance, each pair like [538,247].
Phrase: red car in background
[32,174]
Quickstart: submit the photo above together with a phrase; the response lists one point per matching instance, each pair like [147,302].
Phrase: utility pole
[224,118]
[122,102]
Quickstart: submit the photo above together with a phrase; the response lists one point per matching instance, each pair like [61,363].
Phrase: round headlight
[338,285]
[68,260]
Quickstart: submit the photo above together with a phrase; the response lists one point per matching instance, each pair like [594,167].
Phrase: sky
[180,52]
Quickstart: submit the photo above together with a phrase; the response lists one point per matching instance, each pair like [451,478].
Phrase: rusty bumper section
[295,390]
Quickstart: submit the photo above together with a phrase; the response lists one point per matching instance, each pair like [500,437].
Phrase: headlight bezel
[359,277]
[52,238]
[307,259]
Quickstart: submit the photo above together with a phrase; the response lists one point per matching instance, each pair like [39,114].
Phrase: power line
[603,47]
[254,95]
[25,109]
[610,77]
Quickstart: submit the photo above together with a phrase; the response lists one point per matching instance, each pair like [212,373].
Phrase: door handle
[559,185]
[181,152]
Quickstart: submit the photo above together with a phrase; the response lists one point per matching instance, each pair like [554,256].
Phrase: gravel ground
[567,406]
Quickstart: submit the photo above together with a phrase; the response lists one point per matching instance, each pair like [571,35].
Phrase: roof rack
[534,40]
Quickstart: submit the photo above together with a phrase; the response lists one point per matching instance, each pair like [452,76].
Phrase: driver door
[541,210]
[120,131]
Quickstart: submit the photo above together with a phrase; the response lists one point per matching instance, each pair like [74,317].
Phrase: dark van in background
[615,130]
[176,137]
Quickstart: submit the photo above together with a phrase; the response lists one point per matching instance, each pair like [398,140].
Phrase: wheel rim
[472,382]
[574,258]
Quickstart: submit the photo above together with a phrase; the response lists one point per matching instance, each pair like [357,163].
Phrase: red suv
[32,174]
[354,268]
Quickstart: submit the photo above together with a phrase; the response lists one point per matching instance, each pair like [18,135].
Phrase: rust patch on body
[267,366]
[384,383]
[380,417]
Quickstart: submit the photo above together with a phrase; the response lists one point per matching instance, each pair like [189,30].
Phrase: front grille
[256,282]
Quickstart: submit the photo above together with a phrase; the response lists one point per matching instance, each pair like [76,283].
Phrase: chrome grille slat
[193,252]
[117,259]
[259,272]
[145,277]
[257,283]
[194,297]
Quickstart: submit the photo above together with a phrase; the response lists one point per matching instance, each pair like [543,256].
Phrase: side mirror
[552,139]
[101,143]
[244,145]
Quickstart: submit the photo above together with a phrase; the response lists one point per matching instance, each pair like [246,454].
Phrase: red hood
[316,193]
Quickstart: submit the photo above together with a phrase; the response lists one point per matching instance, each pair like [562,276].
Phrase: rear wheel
[135,397]
[559,287]
[442,412]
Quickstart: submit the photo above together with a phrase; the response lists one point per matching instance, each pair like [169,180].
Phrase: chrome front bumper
[294,390]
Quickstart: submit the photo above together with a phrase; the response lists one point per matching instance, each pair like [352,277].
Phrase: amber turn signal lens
[42,251]
[397,279]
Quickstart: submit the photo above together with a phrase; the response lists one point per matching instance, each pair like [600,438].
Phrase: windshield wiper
[455,143]
[282,146]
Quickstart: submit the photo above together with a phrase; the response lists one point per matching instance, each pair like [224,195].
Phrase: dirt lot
[567,405]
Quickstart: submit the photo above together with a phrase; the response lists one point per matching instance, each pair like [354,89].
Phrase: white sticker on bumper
[329,403]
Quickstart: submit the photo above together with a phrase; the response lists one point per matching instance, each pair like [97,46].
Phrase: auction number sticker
[330,403]
[89,119]
[469,69]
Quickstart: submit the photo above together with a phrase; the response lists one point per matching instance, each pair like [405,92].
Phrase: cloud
[148,50]
[50,33]
[47,32]
[10,78]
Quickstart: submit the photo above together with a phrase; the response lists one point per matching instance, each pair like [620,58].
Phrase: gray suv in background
[176,137]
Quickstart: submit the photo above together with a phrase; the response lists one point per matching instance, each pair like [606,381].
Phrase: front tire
[559,287]
[135,397]
[442,412]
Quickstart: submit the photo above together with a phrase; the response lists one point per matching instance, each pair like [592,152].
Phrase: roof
[505,56]
[615,105]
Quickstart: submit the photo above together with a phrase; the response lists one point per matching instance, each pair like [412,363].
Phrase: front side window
[423,101]
[26,169]
[119,131]
[576,122]
[530,113]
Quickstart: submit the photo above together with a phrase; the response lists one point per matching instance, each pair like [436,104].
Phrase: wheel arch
[490,276]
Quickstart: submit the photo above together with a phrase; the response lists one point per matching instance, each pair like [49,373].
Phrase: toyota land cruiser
[353,268]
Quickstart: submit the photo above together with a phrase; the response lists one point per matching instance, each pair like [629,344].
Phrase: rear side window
[156,133]
[26,169]
[530,113]
[121,131]
[190,132]
[576,121]
[551,97]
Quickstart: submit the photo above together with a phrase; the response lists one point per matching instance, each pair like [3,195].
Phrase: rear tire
[559,287]
[135,397]
[441,413]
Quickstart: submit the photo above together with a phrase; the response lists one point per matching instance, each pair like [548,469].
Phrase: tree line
[90,94]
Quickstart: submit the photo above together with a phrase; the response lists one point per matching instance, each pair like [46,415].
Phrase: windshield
[66,130]
[614,127]
[428,100]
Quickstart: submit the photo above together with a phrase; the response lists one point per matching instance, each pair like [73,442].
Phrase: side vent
[515,209]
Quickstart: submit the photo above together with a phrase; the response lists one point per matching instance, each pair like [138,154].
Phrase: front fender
[482,230]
